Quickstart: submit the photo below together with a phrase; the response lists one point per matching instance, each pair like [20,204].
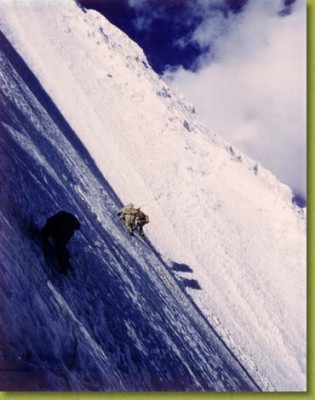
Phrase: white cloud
[252,87]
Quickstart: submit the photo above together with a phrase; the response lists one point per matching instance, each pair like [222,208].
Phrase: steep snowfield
[121,321]
[211,208]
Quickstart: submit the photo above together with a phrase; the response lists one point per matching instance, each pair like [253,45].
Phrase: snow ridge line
[145,247]
[185,297]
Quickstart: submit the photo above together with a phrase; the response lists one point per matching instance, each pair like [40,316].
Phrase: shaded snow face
[211,208]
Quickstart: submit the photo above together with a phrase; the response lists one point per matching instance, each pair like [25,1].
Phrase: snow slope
[211,208]
[121,321]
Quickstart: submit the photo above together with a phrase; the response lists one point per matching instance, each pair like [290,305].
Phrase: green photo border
[310,394]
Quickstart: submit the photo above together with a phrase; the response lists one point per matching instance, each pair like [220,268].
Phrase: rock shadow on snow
[191,284]
[184,268]
[181,267]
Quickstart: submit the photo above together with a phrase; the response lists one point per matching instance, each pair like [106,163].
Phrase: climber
[61,227]
[127,215]
[141,220]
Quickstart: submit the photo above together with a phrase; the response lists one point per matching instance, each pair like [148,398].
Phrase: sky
[241,63]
